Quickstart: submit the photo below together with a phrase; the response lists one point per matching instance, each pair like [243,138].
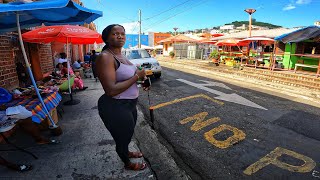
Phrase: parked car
[143,58]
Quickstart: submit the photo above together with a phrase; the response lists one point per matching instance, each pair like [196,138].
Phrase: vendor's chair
[64,87]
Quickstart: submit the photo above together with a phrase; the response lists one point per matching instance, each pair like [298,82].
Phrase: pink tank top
[123,73]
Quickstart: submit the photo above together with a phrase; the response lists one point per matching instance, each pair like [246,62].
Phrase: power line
[178,5]
[131,20]
[166,19]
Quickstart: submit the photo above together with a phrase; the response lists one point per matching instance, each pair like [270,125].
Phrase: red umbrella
[207,41]
[63,34]
[263,40]
[217,35]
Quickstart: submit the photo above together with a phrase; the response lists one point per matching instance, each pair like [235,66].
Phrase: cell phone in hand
[147,83]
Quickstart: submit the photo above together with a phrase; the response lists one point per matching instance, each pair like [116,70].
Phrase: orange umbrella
[207,41]
[63,34]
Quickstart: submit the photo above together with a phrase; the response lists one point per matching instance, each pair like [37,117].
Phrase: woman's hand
[146,88]
[141,73]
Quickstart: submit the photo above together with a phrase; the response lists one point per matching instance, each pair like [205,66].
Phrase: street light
[175,30]
[175,33]
[250,12]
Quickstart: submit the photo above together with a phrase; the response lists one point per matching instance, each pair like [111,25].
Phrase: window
[310,47]
[137,54]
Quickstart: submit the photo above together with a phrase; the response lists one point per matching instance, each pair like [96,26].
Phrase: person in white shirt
[63,58]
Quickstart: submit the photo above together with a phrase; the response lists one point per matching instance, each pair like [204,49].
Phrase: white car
[143,58]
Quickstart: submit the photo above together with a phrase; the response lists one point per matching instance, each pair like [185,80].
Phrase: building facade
[132,40]
[227,27]
[155,37]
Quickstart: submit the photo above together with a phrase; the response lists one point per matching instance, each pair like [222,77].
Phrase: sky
[164,15]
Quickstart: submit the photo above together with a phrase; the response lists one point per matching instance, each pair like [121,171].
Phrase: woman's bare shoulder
[106,56]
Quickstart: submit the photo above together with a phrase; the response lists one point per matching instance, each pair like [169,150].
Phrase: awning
[37,13]
[310,32]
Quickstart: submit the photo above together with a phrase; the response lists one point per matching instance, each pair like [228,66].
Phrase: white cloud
[303,1]
[289,7]
[131,28]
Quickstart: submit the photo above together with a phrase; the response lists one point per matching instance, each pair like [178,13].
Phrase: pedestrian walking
[93,58]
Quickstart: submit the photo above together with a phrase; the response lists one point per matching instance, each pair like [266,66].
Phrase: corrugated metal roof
[270,33]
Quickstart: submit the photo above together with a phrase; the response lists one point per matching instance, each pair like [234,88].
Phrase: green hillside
[254,22]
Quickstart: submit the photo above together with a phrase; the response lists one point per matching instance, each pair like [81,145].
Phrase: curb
[162,163]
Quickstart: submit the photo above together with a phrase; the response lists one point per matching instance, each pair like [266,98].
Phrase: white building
[317,23]
[227,27]
[214,31]
[243,27]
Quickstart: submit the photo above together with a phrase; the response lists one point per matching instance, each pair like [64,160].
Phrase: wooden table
[316,56]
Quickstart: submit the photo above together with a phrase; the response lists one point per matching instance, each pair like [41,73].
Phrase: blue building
[133,39]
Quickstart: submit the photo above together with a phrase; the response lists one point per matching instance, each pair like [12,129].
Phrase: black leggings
[120,117]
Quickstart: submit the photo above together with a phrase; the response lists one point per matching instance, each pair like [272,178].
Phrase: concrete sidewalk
[86,151]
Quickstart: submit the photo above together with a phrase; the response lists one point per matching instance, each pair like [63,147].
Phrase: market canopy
[270,33]
[230,42]
[310,32]
[217,34]
[262,40]
[207,41]
[37,13]
[64,34]
[178,38]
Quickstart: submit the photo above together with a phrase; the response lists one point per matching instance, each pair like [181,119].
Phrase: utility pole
[139,43]
[250,12]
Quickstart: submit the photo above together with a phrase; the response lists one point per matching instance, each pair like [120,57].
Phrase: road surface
[221,131]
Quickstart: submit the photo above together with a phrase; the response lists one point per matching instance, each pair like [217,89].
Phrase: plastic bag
[18,112]
[5,96]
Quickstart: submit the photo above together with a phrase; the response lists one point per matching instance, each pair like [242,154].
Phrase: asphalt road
[221,131]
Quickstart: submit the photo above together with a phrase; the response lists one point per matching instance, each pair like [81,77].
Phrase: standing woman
[117,107]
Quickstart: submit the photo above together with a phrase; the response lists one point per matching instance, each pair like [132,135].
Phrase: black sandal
[21,167]
[52,142]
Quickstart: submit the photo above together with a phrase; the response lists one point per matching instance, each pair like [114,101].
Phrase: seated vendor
[76,65]
[78,82]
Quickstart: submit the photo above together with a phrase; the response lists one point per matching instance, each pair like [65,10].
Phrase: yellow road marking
[238,135]
[272,158]
[199,123]
[186,98]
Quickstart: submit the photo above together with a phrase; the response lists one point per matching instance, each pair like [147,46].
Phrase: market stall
[64,34]
[231,51]
[258,55]
[302,49]
[20,15]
